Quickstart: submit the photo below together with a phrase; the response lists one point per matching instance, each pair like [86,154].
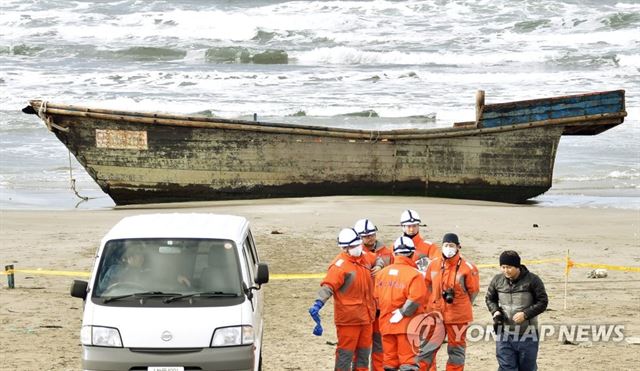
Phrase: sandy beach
[40,322]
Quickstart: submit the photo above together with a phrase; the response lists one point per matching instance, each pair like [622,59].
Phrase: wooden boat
[507,154]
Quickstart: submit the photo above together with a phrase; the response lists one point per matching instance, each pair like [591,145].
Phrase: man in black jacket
[515,298]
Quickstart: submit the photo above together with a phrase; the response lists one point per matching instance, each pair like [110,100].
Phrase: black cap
[451,237]
[511,258]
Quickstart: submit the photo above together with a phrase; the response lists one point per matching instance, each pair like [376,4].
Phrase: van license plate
[165,368]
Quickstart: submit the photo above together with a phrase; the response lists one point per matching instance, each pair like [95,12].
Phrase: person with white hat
[349,281]
[401,294]
[368,233]
[425,250]
[384,256]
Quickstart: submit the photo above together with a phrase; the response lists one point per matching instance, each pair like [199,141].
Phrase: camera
[448,295]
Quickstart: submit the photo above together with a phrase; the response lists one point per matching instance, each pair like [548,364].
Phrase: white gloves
[396,317]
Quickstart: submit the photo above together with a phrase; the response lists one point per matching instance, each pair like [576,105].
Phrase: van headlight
[100,336]
[230,336]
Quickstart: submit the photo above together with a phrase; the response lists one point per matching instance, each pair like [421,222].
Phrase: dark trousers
[516,353]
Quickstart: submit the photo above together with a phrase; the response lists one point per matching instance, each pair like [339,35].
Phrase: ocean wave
[365,113]
[21,50]
[90,51]
[608,59]
[264,37]
[232,54]
[148,53]
[355,56]
[630,174]
[621,20]
[596,201]
[195,54]
[626,174]
[346,22]
[340,55]
[228,54]
[528,26]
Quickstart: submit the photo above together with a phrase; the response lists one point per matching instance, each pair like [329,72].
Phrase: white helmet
[403,246]
[364,227]
[409,217]
[348,237]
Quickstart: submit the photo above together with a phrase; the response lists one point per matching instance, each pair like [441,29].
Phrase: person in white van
[129,268]
[132,268]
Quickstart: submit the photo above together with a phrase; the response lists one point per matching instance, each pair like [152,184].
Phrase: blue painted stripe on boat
[489,112]
[565,111]
[568,99]
[500,108]
[539,110]
[511,120]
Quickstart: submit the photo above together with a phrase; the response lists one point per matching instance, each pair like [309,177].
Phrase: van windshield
[168,266]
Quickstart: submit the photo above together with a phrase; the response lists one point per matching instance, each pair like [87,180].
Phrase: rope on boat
[42,109]
[48,120]
[41,113]
[73,181]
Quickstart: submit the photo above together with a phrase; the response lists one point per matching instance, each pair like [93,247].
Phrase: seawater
[372,65]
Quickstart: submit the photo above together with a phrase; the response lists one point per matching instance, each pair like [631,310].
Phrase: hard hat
[364,227]
[403,246]
[409,217]
[348,237]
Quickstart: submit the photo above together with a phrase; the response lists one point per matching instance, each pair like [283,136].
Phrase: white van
[174,292]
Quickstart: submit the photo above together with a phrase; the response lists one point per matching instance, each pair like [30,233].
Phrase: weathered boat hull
[141,158]
[415,169]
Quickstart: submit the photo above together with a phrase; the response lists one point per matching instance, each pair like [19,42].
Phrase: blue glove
[314,311]
[317,331]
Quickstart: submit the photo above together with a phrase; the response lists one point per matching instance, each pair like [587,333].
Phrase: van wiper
[206,294]
[146,294]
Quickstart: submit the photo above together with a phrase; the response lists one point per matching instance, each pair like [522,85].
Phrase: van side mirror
[79,289]
[262,275]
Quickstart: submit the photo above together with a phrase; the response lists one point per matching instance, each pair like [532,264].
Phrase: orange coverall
[462,276]
[424,248]
[399,286]
[384,253]
[351,285]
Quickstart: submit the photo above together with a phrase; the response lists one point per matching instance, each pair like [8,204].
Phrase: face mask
[356,251]
[449,252]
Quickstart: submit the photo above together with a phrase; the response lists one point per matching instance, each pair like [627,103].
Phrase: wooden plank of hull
[188,164]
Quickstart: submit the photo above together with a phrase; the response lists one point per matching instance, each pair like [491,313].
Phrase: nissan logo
[166,336]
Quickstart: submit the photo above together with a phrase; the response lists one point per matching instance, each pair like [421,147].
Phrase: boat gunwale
[150,118]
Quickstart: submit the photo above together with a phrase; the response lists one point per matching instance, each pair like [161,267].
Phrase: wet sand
[40,322]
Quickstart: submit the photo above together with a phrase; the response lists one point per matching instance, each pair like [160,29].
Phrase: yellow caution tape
[303,276]
[46,272]
[572,264]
